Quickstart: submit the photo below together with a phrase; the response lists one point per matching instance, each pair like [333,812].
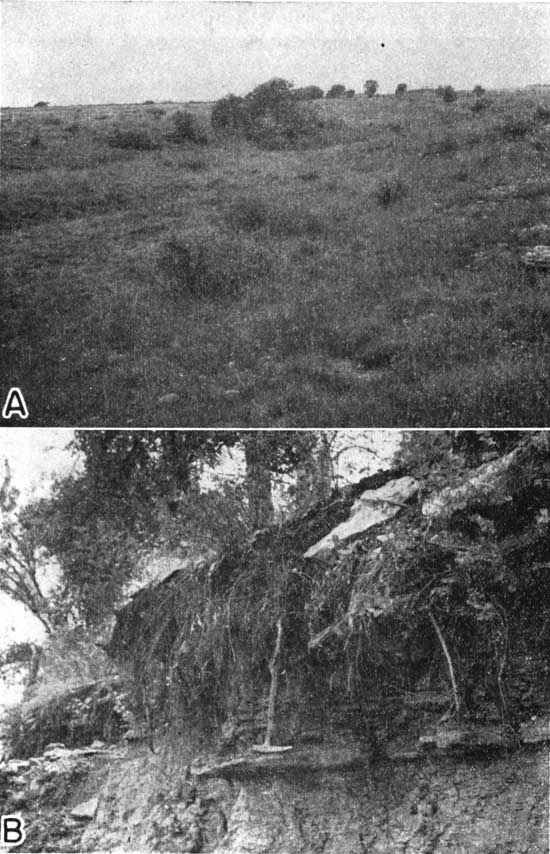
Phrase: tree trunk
[314,475]
[258,483]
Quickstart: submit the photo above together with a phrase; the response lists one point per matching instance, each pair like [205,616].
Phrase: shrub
[401,89]
[252,214]
[480,104]
[447,93]
[134,138]
[229,114]
[336,91]
[389,190]
[542,113]
[35,140]
[370,88]
[515,127]
[148,102]
[444,145]
[350,93]
[206,268]
[478,91]
[308,93]
[187,128]
[42,104]
[248,214]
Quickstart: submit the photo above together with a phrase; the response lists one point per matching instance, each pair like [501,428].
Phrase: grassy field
[370,279]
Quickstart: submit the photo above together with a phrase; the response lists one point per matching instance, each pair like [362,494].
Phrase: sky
[109,51]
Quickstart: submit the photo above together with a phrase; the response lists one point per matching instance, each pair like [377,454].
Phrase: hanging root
[447,655]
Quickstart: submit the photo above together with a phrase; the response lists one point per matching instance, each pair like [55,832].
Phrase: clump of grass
[35,141]
[49,199]
[480,105]
[515,127]
[133,138]
[209,267]
[447,144]
[312,175]
[254,214]
[194,164]
[390,190]
[542,113]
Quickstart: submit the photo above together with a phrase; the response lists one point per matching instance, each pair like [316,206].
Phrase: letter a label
[12,830]
[15,404]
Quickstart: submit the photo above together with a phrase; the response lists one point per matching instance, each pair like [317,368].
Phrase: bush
[148,102]
[134,138]
[36,140]
[210,268]
[401,89]
[308,93]
[336,91]
[370,88]
[515,127]
[269,115]
[480,104]
[478,91]
[444,145]
[350,93]
[229,114]
[389,190]
[253,214]
[187,128]
[42,104]
[542,113]
[447,93]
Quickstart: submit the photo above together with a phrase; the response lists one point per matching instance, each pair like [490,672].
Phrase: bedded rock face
[329,799]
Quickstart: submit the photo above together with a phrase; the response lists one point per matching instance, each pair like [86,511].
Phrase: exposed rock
[537,258]
[301,759]
[373,507]
[536,731]
[86,810]
[487,486]
[168,399]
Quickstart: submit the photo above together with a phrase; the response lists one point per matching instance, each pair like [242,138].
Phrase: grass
[372,281]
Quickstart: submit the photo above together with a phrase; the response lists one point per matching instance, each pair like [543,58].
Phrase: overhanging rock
[373,507]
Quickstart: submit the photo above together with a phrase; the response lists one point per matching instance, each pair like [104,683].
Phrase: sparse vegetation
[430,281]
[133,138]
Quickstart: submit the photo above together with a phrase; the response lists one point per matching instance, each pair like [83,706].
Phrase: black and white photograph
[275,214]
[274,427]
[275,642]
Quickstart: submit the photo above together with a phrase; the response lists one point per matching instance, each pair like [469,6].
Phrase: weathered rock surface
[373,507]
[327,799]
[86,810]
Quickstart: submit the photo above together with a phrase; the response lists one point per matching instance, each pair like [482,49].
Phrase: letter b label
[12,830]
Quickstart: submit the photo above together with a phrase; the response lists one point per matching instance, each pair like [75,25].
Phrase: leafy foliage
[338,90]
[370,88]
